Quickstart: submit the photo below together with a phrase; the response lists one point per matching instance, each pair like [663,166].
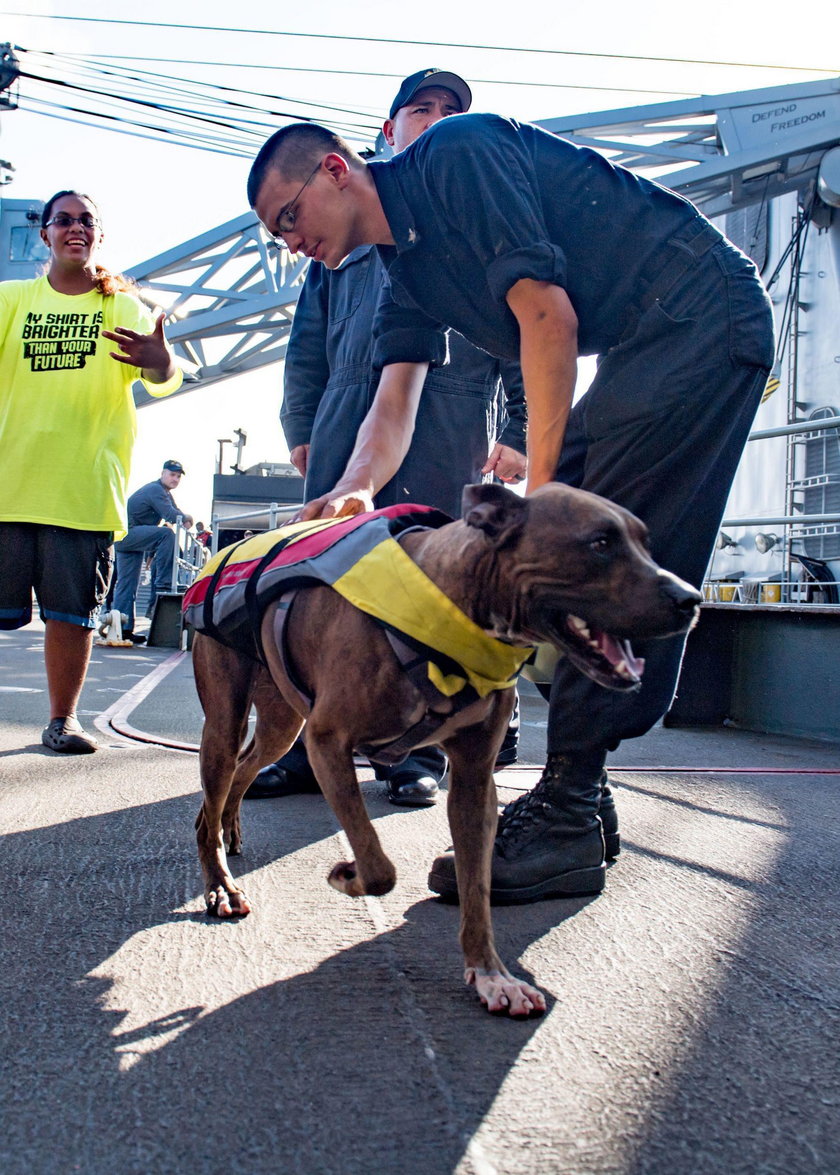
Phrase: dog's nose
[682,595]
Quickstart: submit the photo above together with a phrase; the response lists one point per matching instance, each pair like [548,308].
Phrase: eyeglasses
[287,217]
[65,220]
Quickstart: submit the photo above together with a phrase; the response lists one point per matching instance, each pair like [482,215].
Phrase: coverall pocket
[346,294]
[751,340]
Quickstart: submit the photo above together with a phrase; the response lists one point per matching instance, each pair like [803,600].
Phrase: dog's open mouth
[606,659]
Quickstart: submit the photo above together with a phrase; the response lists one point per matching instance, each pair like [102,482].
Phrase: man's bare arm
[548,356]
[381,444]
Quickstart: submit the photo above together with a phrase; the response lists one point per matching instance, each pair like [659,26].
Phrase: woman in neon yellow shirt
[67,429]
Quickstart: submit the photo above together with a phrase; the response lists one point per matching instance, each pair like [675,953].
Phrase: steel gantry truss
[723,152]
[230,295]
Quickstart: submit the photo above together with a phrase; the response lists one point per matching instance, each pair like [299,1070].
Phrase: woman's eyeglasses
[65,220]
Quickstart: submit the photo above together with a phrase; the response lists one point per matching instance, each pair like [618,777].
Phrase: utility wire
[420,44]
[239,138]
[141,77]
[201,98]
[113,84]
[360,73]
[151,105]
[188,115]
[181,137]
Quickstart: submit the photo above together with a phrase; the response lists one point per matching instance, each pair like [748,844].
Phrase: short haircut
[294,151]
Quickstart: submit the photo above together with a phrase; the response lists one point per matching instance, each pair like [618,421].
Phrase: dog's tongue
[620,656]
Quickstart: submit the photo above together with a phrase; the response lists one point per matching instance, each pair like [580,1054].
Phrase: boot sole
[281,791]
[575,883]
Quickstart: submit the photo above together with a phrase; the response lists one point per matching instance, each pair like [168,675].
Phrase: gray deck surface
[693,1007]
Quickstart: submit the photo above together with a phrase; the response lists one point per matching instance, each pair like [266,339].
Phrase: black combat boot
[549,841]
[606,811]
[609,820]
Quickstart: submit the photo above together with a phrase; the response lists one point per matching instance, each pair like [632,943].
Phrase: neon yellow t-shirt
[67,415]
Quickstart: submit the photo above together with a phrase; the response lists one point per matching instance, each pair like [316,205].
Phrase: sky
[530,60]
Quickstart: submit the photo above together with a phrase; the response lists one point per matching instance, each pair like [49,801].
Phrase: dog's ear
[495,510]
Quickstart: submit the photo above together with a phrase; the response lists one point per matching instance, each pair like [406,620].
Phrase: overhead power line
[357,73]
[192,110]
[181,138]
[138,101]
[180,110]
[419,44]
[142,76]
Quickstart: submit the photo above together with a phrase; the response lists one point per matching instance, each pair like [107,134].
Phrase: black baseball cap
[174,467]
[431,77]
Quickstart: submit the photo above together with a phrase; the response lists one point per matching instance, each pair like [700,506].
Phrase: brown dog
[525,570]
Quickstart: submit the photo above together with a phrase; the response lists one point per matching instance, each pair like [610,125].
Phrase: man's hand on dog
[334,505]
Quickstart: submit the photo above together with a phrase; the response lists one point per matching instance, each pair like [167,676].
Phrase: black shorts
[69,571]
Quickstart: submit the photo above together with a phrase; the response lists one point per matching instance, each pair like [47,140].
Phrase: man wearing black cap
[422,83]
[460,434]
[542,250]
[147,508]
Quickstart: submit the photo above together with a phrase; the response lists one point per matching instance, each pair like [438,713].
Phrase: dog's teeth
[579,625]
[624,670]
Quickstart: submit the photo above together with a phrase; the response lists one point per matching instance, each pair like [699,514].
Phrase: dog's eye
[601,544]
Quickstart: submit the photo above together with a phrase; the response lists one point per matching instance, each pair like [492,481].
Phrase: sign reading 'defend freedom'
[774,122]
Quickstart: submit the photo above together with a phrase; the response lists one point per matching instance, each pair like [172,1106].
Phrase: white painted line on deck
[114,723]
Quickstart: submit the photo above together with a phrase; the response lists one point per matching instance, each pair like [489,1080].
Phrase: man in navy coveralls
[537,249]
[464,431]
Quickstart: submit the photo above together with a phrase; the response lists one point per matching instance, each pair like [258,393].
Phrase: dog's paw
[501,993]
[345,879]
[222,904]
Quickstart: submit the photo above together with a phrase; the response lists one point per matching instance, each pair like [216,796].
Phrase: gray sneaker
[66,735]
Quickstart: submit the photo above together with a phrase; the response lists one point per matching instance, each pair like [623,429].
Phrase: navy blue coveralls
[329,386]
[677,315]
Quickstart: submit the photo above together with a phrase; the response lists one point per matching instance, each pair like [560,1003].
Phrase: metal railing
[188,557]
[800,426]
[754,590]
[277,515]
[794,584]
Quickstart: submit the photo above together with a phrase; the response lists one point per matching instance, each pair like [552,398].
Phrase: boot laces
[520,818]
[521,814]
